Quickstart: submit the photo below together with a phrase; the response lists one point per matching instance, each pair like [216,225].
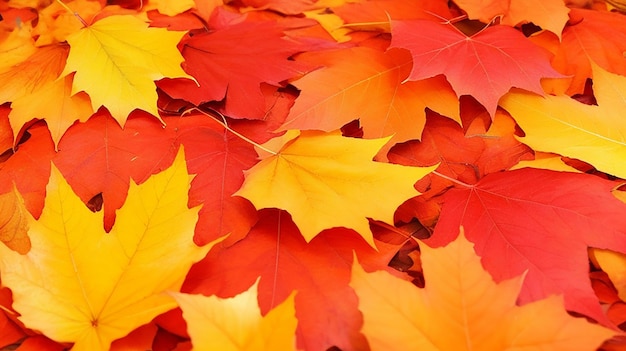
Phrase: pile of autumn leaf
[301,174]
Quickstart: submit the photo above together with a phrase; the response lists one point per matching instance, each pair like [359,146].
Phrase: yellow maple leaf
[82,285]
[117,59]
[462,308]
[559,124]
[325,180]
[236,324]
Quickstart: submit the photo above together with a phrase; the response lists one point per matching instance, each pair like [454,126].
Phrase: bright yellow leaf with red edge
[462,308]
[325,180]
[547,14]
[236,323]
[559,124]
[13,222]
[117,59]
[544,160]
[81,285]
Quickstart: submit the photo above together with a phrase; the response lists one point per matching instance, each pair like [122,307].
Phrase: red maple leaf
[494,59]
[99,157]
[232,62]
[540,222]
[320,272]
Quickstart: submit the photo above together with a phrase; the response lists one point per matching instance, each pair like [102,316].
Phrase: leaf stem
[224,123]
[73,13]
[455,181]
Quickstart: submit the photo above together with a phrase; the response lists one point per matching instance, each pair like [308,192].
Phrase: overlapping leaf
[548,14]
[231,63]
[366,84]
[510,215]
[325,181]
[94,287]
[125,58]
[594,134]
[319,270]
[494,60]
[236,323]
[462,308]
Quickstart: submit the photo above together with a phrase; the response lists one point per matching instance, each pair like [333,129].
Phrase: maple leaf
[43,66]
[613,263]
[494,60]
[509,215]
[590,36]
[98,157]
[319,270]
[594,134]
[365,84]
[125,58]
[13,222]
[232,62]
[462,308]
[325,180]
[94,287]
[29,169]
[547,14]
[236,323]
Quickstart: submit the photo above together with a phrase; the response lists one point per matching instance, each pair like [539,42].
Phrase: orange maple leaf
[366,84]
[462,308]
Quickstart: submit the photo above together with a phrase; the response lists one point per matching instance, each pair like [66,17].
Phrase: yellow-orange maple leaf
[117,59]
[325,180]
[462,308]
[54,103]
[548,14]
[13,222]
[236,324]
[82,285]
[559,124]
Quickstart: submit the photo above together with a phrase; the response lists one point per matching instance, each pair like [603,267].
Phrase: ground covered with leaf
[312,175]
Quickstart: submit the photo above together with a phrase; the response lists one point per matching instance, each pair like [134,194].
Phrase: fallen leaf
[494,60]
[462,308]
[14,222]
[591,37]
[540,222]
[126,57]
[559,124]
[98,157]
[614,264]
[319,270]
[95,287]
[29,169]
[325,181]
[366,84]
[547,14]
[232,62]
[236,323]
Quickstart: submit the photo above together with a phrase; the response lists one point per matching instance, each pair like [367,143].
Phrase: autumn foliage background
[313,175]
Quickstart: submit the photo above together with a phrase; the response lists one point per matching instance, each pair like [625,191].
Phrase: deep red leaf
[232,62]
